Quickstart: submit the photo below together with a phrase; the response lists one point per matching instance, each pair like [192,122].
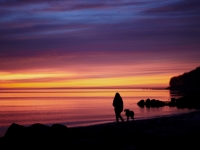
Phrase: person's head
[117,94]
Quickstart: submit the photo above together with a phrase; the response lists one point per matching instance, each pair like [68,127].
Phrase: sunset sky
[90,43]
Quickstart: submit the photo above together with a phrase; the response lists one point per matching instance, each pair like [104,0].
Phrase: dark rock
[15,137]
[38,130]
[36,135]
[151,103]
[59,130]
[148,103]
[59,134]
[15,132]
[141,103]
[172,103]
[190,101]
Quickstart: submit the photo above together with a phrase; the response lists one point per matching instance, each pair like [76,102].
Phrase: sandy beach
[170,132]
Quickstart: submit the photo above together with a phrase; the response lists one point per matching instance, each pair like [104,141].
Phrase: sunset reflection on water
[75,107]
[83,93]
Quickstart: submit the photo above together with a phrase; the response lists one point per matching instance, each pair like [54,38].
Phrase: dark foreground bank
[175,132]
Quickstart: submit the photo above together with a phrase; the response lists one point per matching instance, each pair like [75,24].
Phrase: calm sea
[76,107]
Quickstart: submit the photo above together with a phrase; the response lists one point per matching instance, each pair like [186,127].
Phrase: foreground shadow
[162,133]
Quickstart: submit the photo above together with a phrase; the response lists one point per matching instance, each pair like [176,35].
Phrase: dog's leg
[127,118]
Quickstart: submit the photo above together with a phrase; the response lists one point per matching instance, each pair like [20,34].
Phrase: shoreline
[179,129]
[175,117]
[3,129]
[104,122]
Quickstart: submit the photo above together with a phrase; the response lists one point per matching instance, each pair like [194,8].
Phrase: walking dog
[129,113]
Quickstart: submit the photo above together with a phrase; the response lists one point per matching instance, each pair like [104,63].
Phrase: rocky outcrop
[37,136]
[189,81]
[151,103]
[190,101]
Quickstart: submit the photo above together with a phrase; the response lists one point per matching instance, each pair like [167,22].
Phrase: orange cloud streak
[129,81]
[142,75]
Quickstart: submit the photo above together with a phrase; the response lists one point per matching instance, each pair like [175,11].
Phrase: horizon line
[41,88]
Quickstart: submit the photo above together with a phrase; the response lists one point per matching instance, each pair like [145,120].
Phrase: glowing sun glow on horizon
[113,76]
[62,81]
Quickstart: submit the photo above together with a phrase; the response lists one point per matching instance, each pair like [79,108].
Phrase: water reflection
[77,107]
[175,94]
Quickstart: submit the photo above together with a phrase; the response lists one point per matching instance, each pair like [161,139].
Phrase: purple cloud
[180,6]
[32,30]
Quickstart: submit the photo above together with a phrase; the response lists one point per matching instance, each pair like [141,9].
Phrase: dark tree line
[189,81]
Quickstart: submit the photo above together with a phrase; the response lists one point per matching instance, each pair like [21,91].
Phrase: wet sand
[170,132]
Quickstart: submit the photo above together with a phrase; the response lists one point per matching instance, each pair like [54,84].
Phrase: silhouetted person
[118,106]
